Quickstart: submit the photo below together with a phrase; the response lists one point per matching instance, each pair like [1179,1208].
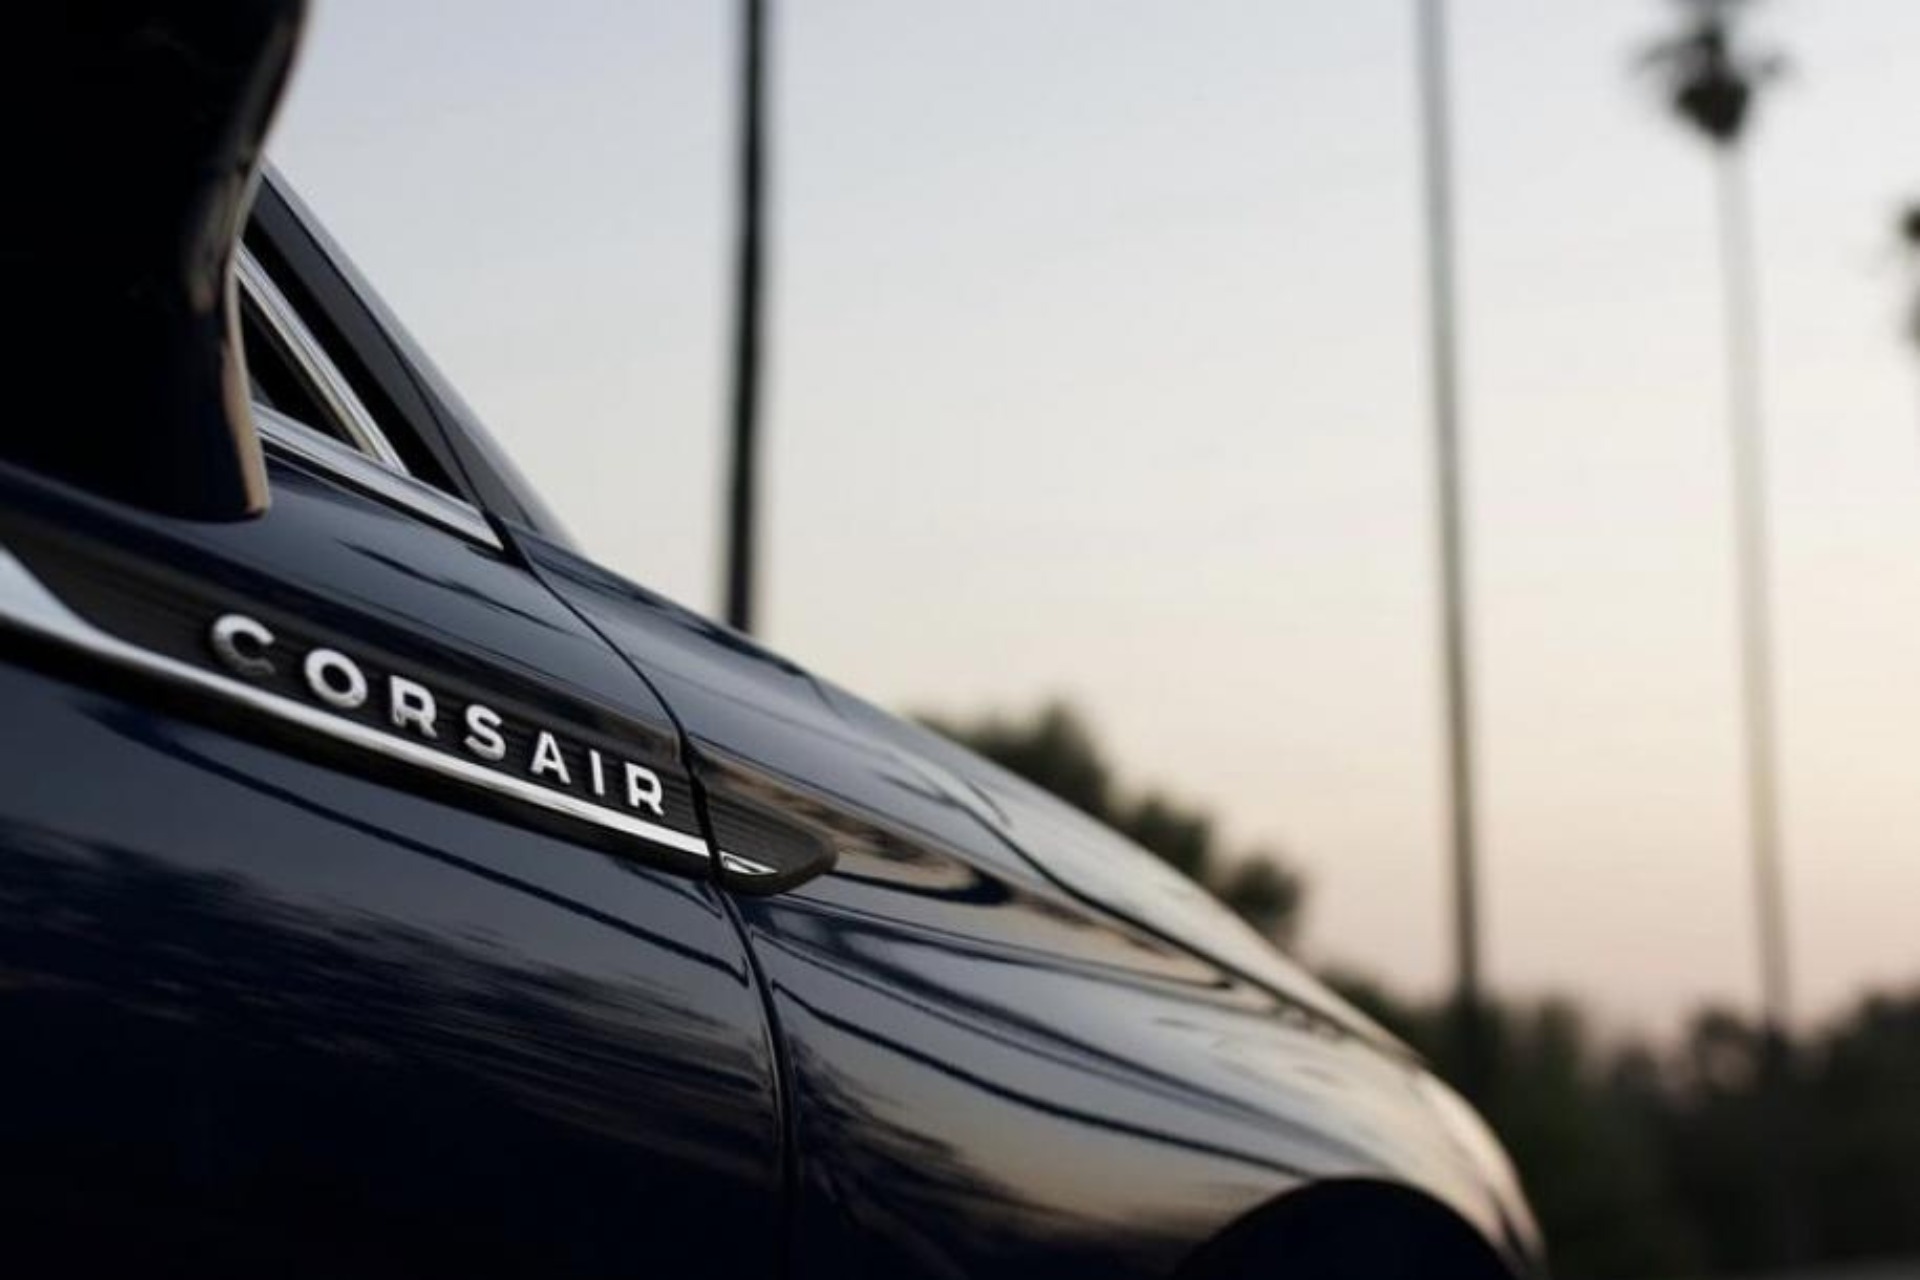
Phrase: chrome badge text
[248,648]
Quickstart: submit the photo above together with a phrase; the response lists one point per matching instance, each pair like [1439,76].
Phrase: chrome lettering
[241,643]
[324,667]
[644,790]
[411,704]
[547,759]
[483,733]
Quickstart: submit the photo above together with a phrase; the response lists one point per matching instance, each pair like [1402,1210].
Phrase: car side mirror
[134,133]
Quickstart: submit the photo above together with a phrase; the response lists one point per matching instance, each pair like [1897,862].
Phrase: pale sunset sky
[1099,372]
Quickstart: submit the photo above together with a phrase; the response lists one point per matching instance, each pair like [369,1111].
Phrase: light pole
[1747,445]
[1910,240]
[748,322]
[1442,319]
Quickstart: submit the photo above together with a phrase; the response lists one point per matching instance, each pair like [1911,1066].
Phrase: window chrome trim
[28,605]
[357,471]
[328,383]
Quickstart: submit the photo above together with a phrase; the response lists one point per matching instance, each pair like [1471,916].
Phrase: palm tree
[1710,86]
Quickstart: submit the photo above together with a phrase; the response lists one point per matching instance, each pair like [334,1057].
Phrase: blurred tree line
[1647,1161]
[1642,1160]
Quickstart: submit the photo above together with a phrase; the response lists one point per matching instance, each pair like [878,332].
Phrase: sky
[1099,372]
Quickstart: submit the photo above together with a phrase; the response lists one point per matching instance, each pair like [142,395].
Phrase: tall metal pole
[1748,448]
[1910,239]
[749,265]
[1787,1227]
[1436,153]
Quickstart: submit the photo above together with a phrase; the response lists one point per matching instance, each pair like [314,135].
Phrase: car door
[355,917]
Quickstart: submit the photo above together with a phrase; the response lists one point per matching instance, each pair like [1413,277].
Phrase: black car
[388,889]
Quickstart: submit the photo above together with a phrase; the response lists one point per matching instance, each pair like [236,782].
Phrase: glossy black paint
[263,1019]
[272,1008]
[284,1017]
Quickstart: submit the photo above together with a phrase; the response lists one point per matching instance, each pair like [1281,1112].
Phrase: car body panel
[275,1010]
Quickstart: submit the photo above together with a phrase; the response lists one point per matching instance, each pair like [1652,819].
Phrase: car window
[291,373]
[307,413]
[274,379]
